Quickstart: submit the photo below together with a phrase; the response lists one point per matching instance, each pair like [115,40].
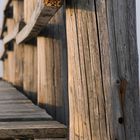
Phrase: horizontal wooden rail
[44,11]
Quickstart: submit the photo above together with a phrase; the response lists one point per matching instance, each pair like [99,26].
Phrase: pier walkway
[21,119]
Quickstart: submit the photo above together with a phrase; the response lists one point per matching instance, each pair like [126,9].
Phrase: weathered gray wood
[52,69]
[43,12]
[124,54]
[103,91]
[32,129]
[14,106]
[21,118]
[18,10]
[19,64]
[30,71]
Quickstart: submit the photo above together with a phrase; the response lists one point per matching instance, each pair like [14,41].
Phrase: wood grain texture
[30,71]
[99,60]
[18,10]
[20,118]
[11,66]
[37,16]
[124,51]
[19,64]
[52,69]
[33,129]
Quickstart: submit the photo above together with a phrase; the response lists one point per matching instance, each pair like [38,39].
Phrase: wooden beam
[43,12]
[32,129]
[12,35]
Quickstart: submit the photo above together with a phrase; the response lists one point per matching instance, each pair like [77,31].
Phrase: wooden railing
[34,53]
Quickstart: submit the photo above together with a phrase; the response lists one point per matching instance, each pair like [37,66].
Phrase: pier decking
[20,118]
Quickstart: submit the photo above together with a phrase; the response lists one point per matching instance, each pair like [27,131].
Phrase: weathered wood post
[10,54]
[18,14]
[102,70]
[52,68]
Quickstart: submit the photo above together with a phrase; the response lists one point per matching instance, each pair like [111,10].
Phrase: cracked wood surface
[102,53]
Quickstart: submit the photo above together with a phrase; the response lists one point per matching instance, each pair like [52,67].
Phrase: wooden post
[19,64]
[30,57]
[11,59]
[52,69]
[11,66]
[30,71]
[102,70]
[29,7]
[18,10]
[10,24]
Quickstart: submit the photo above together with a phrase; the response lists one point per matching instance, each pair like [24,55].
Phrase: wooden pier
[21,119]
[78,60]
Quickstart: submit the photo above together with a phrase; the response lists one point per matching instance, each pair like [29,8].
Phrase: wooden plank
[21,118]
[43,12]
[30,71]
[85,84]
[19,65]
[33,129]
[52,69]
[14,106]
[11,66]
[5,5]
[18,10]
[122,34]
[101,66]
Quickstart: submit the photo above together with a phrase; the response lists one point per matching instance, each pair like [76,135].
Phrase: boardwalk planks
[20,118]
